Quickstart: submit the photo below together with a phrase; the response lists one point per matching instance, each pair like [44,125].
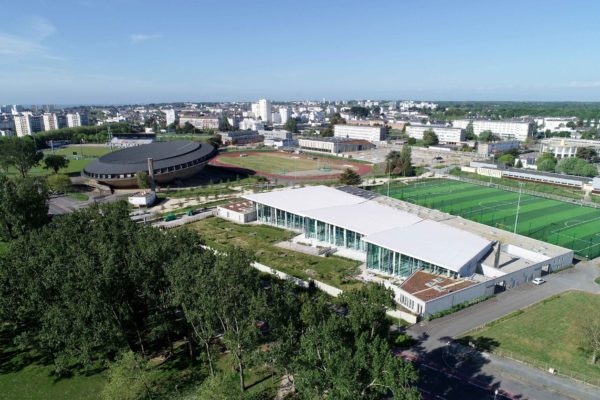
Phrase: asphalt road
[491,372]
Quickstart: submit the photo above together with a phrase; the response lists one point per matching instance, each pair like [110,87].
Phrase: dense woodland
[93,290]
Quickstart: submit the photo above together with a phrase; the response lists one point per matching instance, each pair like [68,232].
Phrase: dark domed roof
[135,159]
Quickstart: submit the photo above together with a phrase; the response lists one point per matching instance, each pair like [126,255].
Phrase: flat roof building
[445,134]
[369,133]
[334,145]
[508,130]
[567,147]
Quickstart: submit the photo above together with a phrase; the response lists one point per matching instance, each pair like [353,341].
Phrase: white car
[538,281]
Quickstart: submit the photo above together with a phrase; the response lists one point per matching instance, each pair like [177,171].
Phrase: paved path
[497,372]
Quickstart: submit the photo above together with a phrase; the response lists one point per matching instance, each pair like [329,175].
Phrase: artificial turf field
[569,225]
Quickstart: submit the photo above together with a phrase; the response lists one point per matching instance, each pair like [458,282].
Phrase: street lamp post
[518,206]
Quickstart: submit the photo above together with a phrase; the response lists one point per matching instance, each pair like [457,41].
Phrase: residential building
[507,129]
[251,124]
[241,137]
[170,116]
[200,121]
[275,134]
[554,124]
[50,121]
[284,113]
[334,145]
[73,120]
[445,134]
[264,110]
[36,122]
[369,133]
[22,125]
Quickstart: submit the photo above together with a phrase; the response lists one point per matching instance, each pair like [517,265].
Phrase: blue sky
[122,51]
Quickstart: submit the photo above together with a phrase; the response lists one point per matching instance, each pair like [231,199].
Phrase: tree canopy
[546,163]
[576,166]
[349,177]
[291,125]
[20,153]
[359,111]
[23,206]
[400,162]
[488,136]
[430,138]
[55,162]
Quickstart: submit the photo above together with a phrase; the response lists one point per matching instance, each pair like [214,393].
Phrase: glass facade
[397,264]
[280,218]
[378,258]
[334,235]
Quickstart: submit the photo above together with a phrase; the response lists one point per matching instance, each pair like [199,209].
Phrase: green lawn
[24,377]
[75,164]
[546,334]
[260,239]
[565,224]
[280,163]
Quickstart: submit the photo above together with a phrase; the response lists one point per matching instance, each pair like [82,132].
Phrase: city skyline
[114,52]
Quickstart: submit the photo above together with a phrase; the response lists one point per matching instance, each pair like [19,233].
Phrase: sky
[141,51]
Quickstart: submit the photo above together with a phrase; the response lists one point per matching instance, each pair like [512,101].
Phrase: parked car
[538,281]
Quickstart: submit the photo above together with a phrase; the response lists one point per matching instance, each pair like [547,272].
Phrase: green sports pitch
[569,225]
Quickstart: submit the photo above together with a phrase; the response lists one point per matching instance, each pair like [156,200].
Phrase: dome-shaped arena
[171,160]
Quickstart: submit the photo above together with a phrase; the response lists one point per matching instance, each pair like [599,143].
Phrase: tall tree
[19,152]
[55,162]
[488,136]
[23,206]
[430,138]
[291,125]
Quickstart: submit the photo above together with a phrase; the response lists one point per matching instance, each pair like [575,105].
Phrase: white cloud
[136,38]
[41,27]
[29,44]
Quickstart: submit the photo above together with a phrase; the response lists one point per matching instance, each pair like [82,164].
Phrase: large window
[394,263]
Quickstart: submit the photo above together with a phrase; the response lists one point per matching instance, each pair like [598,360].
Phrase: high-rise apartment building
[73,120]
[49,121]
[285,114]
[170,116]
[22,125]
[264,110]
[507,130]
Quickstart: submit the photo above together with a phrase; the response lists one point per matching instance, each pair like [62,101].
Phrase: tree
[55,162]
[587,153]
[470,132]
[488,136]
[59,183]
[400,162]
[23,206]
[142,180]
[215,141]
[348,357]
[546,163]
[430,138]
[571,125]
[224,125]
[350,177]
[519,164]
[358,111]
[19,152]
[589,328]
[129,378]
[188,128]
[411,141]
[507,159]
[291,125]
[576,166]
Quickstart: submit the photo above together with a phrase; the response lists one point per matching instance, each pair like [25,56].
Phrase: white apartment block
[264,110]
[334,145]
[49,121]
[507,130]
[557,124]
[170,116]
[567,147]
[22,125]
[200,122]
[285,113]
[445,134]
[73,120]
[487,149]
[369,133]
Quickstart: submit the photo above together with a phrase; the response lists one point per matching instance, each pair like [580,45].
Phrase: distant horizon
[94,52]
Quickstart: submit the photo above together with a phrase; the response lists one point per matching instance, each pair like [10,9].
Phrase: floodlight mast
[518,206]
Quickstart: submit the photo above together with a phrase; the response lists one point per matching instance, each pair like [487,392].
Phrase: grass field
[546,334]
[260,239]
[282,163]
[569,225]
[75,164]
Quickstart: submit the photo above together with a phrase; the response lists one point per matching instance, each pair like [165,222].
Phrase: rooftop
[426,286]
[433,242]
[240,206]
